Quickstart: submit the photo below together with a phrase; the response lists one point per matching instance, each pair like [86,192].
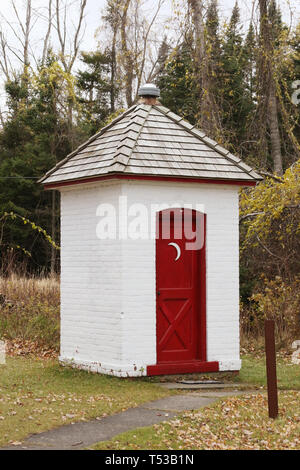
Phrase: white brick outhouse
[150,247]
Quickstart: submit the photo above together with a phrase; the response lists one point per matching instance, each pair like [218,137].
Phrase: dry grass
[29,311]
[19,289]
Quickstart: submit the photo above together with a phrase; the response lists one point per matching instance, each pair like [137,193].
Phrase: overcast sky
[94,8]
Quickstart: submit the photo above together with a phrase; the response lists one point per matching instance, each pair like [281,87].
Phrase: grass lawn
[37,395]
[254,372]
[230,424]
[234,423]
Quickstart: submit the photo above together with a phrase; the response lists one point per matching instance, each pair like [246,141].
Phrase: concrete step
[216,386]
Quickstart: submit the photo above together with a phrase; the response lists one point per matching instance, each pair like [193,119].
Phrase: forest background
[237,79]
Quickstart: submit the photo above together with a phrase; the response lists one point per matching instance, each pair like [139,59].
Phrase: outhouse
[150,247]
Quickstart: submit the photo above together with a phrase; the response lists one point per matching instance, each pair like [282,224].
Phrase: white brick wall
[108,286]
[90,279]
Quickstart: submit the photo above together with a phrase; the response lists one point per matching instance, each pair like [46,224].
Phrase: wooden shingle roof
[150,140]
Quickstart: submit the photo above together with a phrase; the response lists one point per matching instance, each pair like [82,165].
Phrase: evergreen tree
[95,90]
[248,145]
[213,41]
[176,82]
[249,59]
[34,138]
[276,22]
[235,100]
[163,55]
[293,85]
[214,64]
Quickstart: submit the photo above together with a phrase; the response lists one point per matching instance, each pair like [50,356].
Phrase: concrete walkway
[83,434]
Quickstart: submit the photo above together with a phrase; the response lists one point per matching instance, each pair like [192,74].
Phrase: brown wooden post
[271,368]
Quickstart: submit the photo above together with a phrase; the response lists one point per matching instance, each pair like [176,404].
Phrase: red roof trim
[150,178]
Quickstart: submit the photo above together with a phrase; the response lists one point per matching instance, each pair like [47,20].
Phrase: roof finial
[149,93]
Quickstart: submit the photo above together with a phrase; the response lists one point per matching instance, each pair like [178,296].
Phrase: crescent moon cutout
[178,250]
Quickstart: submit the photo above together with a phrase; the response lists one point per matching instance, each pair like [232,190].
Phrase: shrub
[270,230]
[277,300]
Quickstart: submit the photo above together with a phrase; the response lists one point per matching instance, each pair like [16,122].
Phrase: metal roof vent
[149,90]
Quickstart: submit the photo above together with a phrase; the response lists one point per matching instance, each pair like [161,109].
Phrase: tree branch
[142,66]
[62,35]
[270,175]
[247,216]
[46,40]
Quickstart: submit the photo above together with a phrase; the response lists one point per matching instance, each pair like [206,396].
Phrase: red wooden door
[180,292]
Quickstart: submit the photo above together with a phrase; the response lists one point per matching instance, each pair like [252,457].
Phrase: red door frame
[200,363]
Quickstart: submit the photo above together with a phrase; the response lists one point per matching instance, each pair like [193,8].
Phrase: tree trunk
[208,112]
[268,95]
[47,37]
[127,57]
[274,131]
[113,72]
[70,124]
[68,58]
[26,36]
[53,233]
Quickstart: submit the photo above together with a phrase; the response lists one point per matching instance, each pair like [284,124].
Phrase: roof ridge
[87,142]
[192,129]
[128,142]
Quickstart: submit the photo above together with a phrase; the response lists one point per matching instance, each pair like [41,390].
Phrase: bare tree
[268,94]
[69,55]
[5,64]
[159,62]
[114,26]
[127,54]
[132,43]
[21,48]
[145,46]
[48,33]
[69,49]
[25,28]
